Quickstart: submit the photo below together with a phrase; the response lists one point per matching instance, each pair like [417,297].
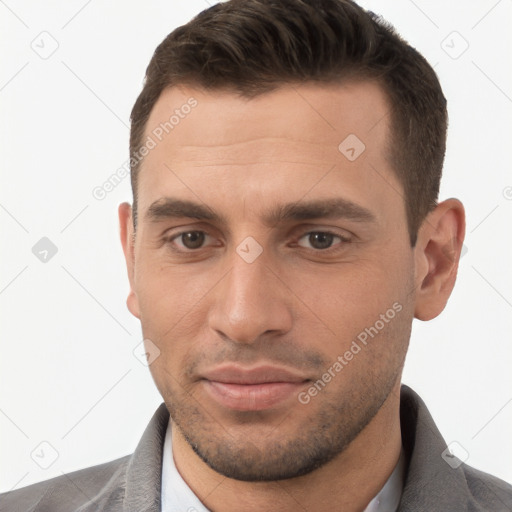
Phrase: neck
[348,482]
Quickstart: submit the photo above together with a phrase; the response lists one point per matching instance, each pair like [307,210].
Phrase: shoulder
[69,491]
[487,490]
[432,482]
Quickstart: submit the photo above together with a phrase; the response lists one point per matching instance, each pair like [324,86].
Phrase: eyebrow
[333,208]
[168,208]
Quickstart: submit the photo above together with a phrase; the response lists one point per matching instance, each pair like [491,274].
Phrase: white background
[68,376]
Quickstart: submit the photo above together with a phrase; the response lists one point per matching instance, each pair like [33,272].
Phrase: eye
[320,240]
[189,239]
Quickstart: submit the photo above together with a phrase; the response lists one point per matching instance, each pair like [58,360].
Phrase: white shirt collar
[177,496]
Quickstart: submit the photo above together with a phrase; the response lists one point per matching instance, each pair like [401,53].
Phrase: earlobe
[128,243]
[437,254]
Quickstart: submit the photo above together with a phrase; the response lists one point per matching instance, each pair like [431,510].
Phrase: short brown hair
[255,46]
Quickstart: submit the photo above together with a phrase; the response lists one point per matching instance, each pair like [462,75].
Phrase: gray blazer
[132,483]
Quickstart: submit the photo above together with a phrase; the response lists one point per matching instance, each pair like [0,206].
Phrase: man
[285,231]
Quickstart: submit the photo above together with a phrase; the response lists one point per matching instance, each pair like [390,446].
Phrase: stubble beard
[290,450]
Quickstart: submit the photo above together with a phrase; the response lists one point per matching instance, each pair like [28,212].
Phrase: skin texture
[299,305]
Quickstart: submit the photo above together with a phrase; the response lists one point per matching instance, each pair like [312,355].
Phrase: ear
[437,253]
[128,242]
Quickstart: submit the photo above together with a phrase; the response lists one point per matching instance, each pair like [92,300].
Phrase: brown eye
[192,239]
[319,240]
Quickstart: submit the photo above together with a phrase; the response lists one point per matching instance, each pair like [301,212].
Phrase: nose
[251,302]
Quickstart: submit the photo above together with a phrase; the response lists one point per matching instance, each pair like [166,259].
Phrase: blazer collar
[429,478]
[144,471]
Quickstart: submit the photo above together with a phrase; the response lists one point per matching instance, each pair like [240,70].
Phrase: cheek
[168,292]
[352,297]
[173,305]
[366,309]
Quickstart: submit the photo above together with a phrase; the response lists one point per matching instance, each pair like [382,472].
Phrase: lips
[251,389]
[258,375]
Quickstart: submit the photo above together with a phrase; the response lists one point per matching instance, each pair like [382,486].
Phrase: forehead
[309,112]
[275,145]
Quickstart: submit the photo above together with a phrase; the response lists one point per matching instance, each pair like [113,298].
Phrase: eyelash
[343,240]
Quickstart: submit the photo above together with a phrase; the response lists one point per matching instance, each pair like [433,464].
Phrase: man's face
[265,255]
